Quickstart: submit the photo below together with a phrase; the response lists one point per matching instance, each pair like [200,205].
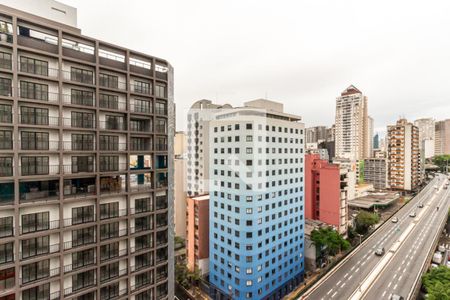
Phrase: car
[379,251]
[412,214]
[394,220]
[396,297]
[420,205]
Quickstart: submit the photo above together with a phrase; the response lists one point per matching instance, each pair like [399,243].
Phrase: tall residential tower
[85,165]
[256,201]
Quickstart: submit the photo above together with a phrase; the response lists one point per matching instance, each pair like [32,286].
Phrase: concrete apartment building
[197,240]
[316,134]
[352,122]
[179,184]
[369,137]
[197,169]
[376,172]
[403,156]
[256,202]
[86,136]
[323,193]
[442,137]
[426,128]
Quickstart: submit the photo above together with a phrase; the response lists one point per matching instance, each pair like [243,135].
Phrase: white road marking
[389,284]
[329,292]
[395,286]
[333,294]
[339,282]
[384,293]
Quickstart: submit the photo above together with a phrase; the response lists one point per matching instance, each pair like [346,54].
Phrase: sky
[301,53]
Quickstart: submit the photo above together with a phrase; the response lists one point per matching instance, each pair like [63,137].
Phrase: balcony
[79,188]
[35,170]
[78,75]
[112,103]
[142,108]
[78,146]
[41,275]
[39,226]
[161,146]
[161,180]
[39,191]
[81,123]
[37,251]
[161,202]
[6,117]
[38,69]
[39,144]
[38,95]
[5,61]
[79,97]
[113,146]
[115,184]
[144,89]
[161,274]
[112,125]
[161,220]
[79,168]
[40,120]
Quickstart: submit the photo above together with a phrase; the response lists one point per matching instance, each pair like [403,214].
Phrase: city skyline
[390,55]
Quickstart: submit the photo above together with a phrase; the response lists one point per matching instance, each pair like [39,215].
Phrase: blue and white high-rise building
[256,201]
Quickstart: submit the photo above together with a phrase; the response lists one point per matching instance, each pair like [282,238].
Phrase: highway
[363,275]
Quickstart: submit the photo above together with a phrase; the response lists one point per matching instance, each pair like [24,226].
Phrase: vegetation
[437,283]
[361,172]
[442,161]
[186,278]
[328,241]
[364,220]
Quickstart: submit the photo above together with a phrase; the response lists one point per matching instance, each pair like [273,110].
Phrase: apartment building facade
[403,156]
[197,240]
[86,132]
[376,172]
[352,125]
[426,128]
[323,200]
[180,184]
[256,202]
[442,137]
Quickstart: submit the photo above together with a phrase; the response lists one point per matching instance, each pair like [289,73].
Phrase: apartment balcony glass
[36,271]
[81,281]
[109,251]
[109,231]
[143,224]
[80,142]
[6,253]
[5,87]
[80,97]
[113,123]
[37,246]
[161,255]
[5,60]
[141,106]
[141,182]
[37,91]
[45,190]
[161,220]
[161,108]
[111,102]
[161,238]
[81,237]
[161,144]
[140,144]
[111,81]
[161,273]
[39,292]
[109,210]
[80,164]
[81,259]
[143,279]
[30,140]
[161,202]
[112,184]
[6,226]
[7,279]
[37,67]
[109,271]
[143,205]
[79,75]
[37,222]
[109,164]
[161,126]
[37,165]
[81,215]
[161,180]
[109,292]
[161,291]
[140,125]
[37,116]
[144,260]
[143,242]
[80,120]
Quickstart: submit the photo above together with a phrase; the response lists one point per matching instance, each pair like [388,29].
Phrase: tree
[437,283]
[442,161]
[185,277]
[364,220]
[328,241]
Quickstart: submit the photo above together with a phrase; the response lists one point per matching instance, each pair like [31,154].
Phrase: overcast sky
[301,53]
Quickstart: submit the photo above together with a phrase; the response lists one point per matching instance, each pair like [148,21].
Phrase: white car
[394,220]
[412,214]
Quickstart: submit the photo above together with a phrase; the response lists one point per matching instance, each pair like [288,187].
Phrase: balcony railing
[39,170]
[78,146]
[55,295]
[39,227]
[32,196]
[136,88]
[37,70]
[40,251]
[51,273]
[161,147]
[39,145]
[79,123]
[78,100]
[79,191]
[32,119]
[83,220]
[79,78]
[39,95]
[108,125]
[75,169]
[141,187]
[113,147]
[143,109]
[5,118]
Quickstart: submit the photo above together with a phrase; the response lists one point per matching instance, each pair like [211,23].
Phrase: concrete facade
[180,184]
[442,137]
[376,172]
[427,137]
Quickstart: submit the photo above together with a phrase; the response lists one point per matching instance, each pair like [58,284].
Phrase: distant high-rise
[351,125]
[376,142]
[179,184]
[369,137]
[426,128]
[403,156]
[316,134]
[256,201]
[442,137]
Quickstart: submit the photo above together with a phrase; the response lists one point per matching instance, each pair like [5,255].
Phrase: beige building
[442,137]
[426,128]
[369,137]
[180,184]
[376,172]
[351,126]
[403,156]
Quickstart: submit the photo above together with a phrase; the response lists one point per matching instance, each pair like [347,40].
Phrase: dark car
[420,205]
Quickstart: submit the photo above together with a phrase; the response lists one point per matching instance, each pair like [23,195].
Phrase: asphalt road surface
[354,277]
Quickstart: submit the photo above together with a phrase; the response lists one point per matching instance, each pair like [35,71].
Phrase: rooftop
[374,199]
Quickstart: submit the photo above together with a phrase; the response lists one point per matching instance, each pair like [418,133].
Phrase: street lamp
[360,236]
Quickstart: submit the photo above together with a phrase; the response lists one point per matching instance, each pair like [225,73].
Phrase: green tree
[364,220]
[442,161]
[185,277]
[437,283]
[328,241]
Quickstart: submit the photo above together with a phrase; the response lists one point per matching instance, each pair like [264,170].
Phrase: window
[82,141]
[109,251]
[82,119]
[161,126]
[142,106]
[35,222]
[31,90]
[83,258]
[110,81]
[80,97]
[34,140]
[5,113]
[83,236]
[5,87]
[160,90]
[108,231]
[109,271]
[110,291]
[114,122]
[40,292]
[143,205]
[109,163]
[82,164]
[109,142]
[35,246]
[5,60]
[142,87]
[82,280]
[81,75]
[161,108]
[6,226]
[34,165]
[109,101]
[34,66]
[109,210]
[6,166]
[7,253]
[36,271]
[83,214]
[34,115]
